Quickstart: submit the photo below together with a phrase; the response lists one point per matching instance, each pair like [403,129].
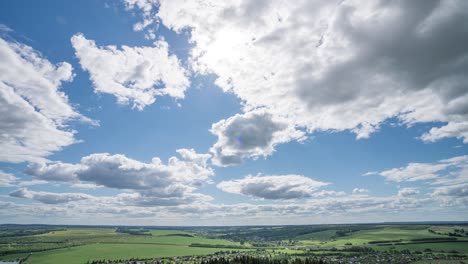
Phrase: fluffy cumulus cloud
[409,191]
[57,171]
[154,183]
[332,65]
[457,130]
[33,110]
[253,134]
[439,171]
[134,75]
[276,187]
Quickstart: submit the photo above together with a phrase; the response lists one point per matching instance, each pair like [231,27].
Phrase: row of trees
[456,232]
[262,260]
[231,260]
[135,232]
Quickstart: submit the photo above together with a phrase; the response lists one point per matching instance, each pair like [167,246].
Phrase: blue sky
[276,113]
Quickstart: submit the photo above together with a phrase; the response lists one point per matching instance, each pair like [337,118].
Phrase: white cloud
[156,183]
[325,193]
[7,179]
[172,195]
[147,8]
[360,190]
[134,75]
[120,201]
[453,129]
[408,191]
[118,171]
[458,190]
[102,209]
[253,134]
[426,171]
[273,187]
[145,5]
[413,172]
[456,177]
[322,67]
[33,110]
[148,23]
[5,28]
[330,206]
[57,171]
[49,197]
[85,186]
[31,183]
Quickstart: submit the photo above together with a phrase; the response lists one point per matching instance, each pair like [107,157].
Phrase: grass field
[382,233]
[80,232]
[81,254]
[13,257]
[105,243]
[318,236]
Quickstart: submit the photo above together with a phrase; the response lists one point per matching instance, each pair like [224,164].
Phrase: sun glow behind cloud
[299,69]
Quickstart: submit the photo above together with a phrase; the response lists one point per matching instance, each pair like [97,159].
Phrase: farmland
[79,244]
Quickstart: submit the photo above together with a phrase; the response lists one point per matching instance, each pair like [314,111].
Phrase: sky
[245,112]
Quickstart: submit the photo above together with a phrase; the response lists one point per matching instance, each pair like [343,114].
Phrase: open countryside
[233,132]
[405,243]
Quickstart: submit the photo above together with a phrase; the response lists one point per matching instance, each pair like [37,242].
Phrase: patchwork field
[75,245]
[384,233]
[78,245]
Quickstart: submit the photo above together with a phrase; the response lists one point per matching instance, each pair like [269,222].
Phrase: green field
[383,233]
[81,254]
[435,247]
[318,236]
[81,244]
[101,235]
